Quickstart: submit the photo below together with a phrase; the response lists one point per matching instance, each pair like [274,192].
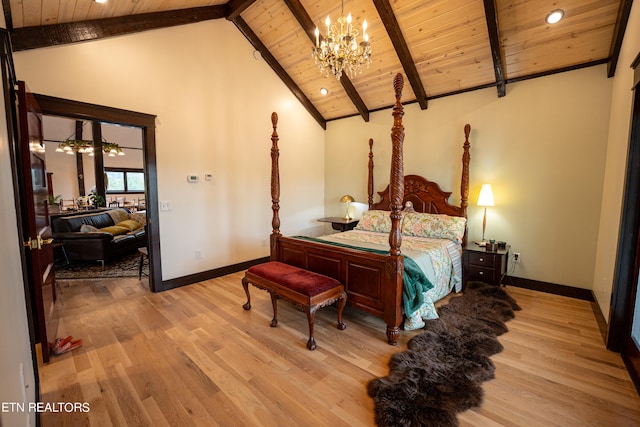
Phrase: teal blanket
[415,283]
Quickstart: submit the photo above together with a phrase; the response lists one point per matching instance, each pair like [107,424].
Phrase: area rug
[442,371]
[125,266]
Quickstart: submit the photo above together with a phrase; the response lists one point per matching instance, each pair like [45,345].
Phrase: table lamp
[348,200]
[485,199]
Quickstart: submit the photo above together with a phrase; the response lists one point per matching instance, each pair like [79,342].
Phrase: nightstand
[483,266]
[340,224]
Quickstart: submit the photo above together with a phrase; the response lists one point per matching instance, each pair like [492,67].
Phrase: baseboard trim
[550,288]
[210,274]
[603,327]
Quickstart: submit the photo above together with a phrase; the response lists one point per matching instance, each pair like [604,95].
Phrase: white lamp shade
[486,196]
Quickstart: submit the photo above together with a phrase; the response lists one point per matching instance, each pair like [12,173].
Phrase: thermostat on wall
[192,178]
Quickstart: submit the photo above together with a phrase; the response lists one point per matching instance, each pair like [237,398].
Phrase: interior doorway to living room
[75,161]
[107,121]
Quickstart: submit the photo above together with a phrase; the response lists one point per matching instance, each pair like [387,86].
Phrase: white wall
[616,160]
[213,102]
[542,147]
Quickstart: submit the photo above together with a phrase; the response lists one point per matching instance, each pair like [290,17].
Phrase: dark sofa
[99,236]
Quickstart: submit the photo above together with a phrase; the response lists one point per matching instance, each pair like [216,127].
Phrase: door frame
[626,273]
[54,106]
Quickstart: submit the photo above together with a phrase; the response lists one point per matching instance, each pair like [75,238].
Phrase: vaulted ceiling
[443,47]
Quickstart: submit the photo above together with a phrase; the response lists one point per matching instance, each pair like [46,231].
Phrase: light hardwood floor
[193,356]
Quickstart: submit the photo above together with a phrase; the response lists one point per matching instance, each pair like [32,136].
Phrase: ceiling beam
[402,50]
[277,68]
[236,7]
[309,27]
[58,34]
[6,8]
[618,36]
[494,40]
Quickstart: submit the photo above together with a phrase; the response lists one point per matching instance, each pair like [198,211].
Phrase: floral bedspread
[439,259]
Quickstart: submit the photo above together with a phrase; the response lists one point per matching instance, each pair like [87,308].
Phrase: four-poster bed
[373,279]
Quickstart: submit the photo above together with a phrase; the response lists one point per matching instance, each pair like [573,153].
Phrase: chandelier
[339,50]
[82,146]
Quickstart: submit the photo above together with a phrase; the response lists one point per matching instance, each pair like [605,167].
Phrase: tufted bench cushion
[307,290]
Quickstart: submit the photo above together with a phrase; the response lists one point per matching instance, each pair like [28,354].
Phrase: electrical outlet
[198,254]
[516,257]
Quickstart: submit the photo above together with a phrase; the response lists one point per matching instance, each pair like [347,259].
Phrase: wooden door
[35,219]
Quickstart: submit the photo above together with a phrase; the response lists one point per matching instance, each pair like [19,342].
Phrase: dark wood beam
[73,32]
[494,40]
[236,7]
[275,66]
[402,50]
[6,8]
[309,27]
[618,36]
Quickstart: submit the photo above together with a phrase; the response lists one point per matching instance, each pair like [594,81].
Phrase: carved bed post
[464,182]
[395,265]
[396,182]
[275,187]
[370,186]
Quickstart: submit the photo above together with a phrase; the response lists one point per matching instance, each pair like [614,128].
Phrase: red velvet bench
[307,290]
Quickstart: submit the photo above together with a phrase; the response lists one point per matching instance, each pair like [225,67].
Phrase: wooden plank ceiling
[443,47]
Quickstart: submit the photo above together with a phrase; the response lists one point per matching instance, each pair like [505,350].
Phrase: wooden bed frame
[372,281]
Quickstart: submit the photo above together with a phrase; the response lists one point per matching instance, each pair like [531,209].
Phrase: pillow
[375,220]
[86,228]
[436,226]
[115,230]
[129,224]
[140,217]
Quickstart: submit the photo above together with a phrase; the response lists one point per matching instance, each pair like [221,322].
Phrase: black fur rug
[442,371]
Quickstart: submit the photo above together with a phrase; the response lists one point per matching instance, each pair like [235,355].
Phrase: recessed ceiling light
[100,1]
[324,90]
[554,16]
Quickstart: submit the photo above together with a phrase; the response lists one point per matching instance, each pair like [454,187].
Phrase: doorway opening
[109,119]
[74,154]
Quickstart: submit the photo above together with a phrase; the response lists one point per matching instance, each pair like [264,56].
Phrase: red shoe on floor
[64,345]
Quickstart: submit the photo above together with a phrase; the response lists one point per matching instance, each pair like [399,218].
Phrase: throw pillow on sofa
[115,230]
[86,228]
[129,224]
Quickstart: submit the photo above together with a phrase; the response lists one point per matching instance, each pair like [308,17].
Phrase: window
[120,180]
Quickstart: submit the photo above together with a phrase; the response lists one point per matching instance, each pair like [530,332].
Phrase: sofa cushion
[73,223]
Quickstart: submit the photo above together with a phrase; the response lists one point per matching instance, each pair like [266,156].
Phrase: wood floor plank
[194,356]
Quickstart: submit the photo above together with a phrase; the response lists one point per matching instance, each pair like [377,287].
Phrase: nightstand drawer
[481,274]
[481,259]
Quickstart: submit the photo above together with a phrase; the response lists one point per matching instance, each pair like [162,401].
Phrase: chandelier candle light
[339,50]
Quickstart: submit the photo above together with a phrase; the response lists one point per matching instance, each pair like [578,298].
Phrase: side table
[340,224]
[483,266]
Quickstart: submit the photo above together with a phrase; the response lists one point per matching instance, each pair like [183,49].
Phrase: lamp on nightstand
[485,199]
[348,200]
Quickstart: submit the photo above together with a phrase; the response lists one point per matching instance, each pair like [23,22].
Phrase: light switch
[165,205]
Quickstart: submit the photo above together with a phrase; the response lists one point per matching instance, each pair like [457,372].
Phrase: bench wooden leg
[274,303]
[343,302]
[311,316]
[245,285]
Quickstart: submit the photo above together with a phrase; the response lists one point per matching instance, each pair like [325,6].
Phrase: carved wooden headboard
[426,196]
